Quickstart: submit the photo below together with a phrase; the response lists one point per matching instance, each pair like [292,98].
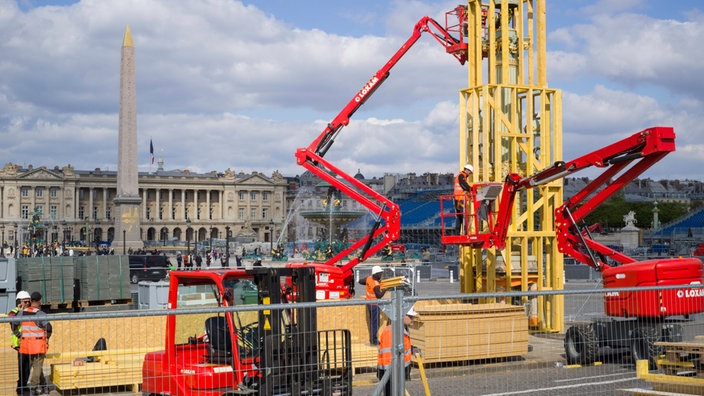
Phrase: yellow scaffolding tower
[513,123]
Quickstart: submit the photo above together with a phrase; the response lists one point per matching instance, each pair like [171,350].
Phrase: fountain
[333,218]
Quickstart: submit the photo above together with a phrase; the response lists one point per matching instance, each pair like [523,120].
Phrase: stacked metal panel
[103,278]
[50,276]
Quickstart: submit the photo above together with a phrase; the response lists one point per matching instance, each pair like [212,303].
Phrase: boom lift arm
[623,161]
[387,225]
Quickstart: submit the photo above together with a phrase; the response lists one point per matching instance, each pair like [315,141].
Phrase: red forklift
[211,350]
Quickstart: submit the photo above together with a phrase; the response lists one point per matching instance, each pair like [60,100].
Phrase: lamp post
[63,242]
[188,236]
[271,235]
[227,245]
[15,227]
[2,239]
[210,242]
[124,241]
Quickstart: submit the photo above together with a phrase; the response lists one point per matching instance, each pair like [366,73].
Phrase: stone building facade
[65,205]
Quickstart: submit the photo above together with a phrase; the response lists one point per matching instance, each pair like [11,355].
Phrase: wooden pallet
[111,368]
[683,358]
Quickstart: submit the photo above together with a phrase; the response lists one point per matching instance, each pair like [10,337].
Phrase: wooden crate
[460,332]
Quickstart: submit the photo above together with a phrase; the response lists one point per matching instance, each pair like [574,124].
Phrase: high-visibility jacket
[385,348]
[16,328]
[33,337]
[371,284]
[459,192]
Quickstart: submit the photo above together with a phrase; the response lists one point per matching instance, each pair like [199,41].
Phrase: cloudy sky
[243,84]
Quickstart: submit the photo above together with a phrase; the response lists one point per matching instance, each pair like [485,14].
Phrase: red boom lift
[636,319]
[337,281]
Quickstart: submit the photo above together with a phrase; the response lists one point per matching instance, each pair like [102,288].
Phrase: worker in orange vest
[386,350]
[23,301]
[461,189]
[34,342]
[373,292]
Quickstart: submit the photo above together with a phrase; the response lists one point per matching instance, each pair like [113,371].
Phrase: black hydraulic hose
[597,266]
[370,237]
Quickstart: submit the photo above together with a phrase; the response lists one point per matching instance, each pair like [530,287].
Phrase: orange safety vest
[459,191]
[33,337]
[371,284]
[385,353]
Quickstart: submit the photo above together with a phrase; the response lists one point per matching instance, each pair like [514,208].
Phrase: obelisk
[127,201]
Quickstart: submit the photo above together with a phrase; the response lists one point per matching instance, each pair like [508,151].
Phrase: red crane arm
[311,157]
[624,161]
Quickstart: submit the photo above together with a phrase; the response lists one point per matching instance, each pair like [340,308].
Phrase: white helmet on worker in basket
[412,312]
[469,168]
[23,295]
[376,269]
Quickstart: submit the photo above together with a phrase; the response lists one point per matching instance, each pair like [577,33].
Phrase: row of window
[54,209]
[54,192]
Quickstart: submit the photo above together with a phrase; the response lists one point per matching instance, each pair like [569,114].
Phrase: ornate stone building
[39,205]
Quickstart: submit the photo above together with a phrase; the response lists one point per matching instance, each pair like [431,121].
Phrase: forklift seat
[220,350]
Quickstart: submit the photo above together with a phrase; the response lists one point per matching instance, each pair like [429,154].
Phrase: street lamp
[124,242]
[227,245]
[188,236]
[210,242]
[271,235]
[63,235]
[15,227]
[2,239]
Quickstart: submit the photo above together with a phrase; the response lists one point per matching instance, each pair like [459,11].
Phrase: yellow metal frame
[512,122]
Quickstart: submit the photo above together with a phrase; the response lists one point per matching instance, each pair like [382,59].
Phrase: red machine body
[623,161]
[337,281]
[257,352]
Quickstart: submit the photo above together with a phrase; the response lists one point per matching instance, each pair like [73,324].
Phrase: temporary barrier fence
[464,348]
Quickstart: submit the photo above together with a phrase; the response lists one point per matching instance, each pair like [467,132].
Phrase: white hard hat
[23,295]
[469,168]
[376,269]
[412,312]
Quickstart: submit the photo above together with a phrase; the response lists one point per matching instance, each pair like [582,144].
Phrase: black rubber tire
[581,345]
[643,345]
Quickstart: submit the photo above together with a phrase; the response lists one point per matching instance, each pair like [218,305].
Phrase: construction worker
[22,301]
[461,189]
[386,350]
[34,342]
[373,292]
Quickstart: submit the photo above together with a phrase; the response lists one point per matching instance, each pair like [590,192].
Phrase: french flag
[151,150]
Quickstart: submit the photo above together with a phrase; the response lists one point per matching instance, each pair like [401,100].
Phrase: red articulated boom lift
[337,281]
[636,320]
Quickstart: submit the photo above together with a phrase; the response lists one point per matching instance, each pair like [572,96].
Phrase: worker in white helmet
[462,187]
[373,292]
[22,300]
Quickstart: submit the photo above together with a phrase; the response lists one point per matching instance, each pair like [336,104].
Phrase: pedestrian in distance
[36,331]
[461,189]
[199,261]
[179,260]
[22,301]
[385,355]
[373,292]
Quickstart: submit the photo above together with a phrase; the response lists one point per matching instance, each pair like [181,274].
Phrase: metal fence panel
[465,348]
